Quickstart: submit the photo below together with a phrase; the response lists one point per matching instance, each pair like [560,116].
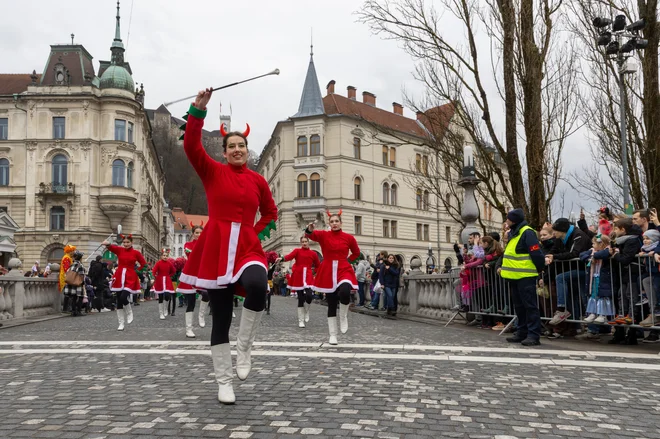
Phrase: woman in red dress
[228,254]
[189,291]
[301,277]
[163,271]
[335,275]
[125,281]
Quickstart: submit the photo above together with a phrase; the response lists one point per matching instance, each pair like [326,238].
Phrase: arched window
[425,200]
[425,165]
[180,252]
[394,199]
[302,186]
[60,163]
[129,174]
[4,172]
[118,173]
[57,218]
[418,199]
[386,193]
[447,200]
[302,146]
[315,145]
[315,185]
[180,239]
[55,256]
[357,188]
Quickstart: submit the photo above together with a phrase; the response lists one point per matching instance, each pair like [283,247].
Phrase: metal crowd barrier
[634,292]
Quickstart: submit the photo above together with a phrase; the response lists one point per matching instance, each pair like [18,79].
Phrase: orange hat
[69,249]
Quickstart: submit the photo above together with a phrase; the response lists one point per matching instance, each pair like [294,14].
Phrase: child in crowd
[599,306]
[651,279]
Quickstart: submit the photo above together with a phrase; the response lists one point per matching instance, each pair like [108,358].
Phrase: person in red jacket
[335,275]
[228,254]
[301,277]
[190,291]
[163,271]
[125,281]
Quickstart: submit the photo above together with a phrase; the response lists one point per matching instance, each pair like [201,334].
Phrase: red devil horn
[247,130]
[340,211]
[327,212]
[121,236]
[223,132]
[130,236]
[191,224]
[202,224]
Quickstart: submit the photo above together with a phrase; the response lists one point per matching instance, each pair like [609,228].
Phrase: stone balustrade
[22,297]
[429,295]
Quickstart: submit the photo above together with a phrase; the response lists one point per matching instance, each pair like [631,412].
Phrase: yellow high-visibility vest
[517,265]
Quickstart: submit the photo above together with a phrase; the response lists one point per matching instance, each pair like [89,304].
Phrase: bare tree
[534,71]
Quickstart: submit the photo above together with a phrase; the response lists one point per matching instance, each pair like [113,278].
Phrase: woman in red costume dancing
[335,275]
[191,292]
[163,271]
[126,281]
[228,254]
[301,277]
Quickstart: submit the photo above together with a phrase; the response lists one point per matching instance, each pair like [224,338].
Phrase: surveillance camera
[636,26]
[619,23]
[600,22]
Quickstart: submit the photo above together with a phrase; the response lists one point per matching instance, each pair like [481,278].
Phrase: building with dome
[76,156]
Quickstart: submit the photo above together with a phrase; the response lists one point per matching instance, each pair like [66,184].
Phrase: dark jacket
[582,224]
[96,273]
[527,244]
[608,276]
[389,277]
[576,243]
[629,247]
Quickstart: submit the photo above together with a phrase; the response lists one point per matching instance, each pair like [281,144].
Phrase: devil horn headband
[192,226]
[331,214]
[224,133]
[125,236]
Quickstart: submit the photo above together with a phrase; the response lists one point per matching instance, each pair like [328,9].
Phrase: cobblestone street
[81,378]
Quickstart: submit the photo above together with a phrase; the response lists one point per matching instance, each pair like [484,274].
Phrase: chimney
[331,87]
[397,108]
[351,92]
[369,98]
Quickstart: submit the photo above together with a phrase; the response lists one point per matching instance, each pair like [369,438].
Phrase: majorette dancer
[126,281]
[228,255]
[301,277]
[335,275]
[190,291]
[163,271]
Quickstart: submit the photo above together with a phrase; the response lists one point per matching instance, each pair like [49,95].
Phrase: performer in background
[125,281]
[335,275]
[228,256]
[65,263]
[163,271]
[301,277]
[189,291]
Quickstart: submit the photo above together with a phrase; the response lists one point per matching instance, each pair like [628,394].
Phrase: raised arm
[291,255]
[267,209]
[192,138]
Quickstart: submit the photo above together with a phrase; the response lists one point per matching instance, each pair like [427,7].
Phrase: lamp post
[430,265]
[469,182]
[611,36]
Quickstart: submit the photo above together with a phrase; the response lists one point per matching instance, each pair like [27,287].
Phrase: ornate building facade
[76,156]
[340,153]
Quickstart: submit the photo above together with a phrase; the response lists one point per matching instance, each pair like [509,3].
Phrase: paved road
[80,378]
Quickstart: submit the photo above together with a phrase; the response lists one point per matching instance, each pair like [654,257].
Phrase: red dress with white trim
[163,272]
[126,277]
[301,273]
[230,240]
[183,287]
[335,268]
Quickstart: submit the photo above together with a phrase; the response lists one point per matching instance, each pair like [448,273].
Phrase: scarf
[568,234]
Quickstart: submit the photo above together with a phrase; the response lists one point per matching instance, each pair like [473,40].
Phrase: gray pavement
[81,378]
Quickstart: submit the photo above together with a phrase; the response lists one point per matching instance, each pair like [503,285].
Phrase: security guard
[520,267]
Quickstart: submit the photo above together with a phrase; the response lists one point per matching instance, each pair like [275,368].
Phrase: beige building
[338,152]
[76,156]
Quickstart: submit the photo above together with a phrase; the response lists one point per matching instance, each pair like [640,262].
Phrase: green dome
[117,77]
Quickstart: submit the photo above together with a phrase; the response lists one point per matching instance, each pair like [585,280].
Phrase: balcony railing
[57,189]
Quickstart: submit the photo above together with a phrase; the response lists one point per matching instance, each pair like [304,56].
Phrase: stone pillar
[469,182]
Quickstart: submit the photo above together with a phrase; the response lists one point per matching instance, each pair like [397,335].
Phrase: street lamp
[611,36]
[430,265]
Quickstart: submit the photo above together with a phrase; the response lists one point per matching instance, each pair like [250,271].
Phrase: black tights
[191,299]
[254,281]
[122,298]
[305,296]
[342,294]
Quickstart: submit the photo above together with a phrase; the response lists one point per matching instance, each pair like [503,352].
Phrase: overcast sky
[176,48]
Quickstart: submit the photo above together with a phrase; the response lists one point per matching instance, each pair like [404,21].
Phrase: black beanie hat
[561,225]
[495,236]
[516,216]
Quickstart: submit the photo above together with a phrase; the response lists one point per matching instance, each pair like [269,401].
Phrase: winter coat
[629,247]
[575,242]
[389,277]
[361,271]
[608,276]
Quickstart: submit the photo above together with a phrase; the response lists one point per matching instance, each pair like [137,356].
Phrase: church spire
[311,101]
[117,47]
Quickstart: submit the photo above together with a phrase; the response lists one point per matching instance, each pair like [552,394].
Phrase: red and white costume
[163,272]
[301,273]
[183,287]
[229,242]
[335,268]
[126,277]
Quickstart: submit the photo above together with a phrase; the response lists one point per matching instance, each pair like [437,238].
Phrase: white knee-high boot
[129,314]
[120,318]
[189,323]
[221,354]
[343,317]
[161,311]
[301,317]
[203,306]
[332,329]
[246,334]
[307,305]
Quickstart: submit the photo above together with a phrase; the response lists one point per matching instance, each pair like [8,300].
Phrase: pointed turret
[117,47]
[311,101]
